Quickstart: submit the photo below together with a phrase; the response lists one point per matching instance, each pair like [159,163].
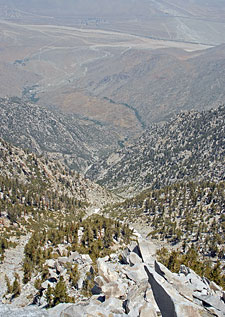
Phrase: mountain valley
[61,234]
[112,152]
[92,71]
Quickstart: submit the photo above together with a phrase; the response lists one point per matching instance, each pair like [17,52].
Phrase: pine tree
[37,283]
[49,296]
[16,289]
[9,286]
[27,268]
[60,293]
[74,275]
[45,273]
[215,273]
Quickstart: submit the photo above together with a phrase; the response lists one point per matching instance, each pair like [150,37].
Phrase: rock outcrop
[132,284]
[139,286]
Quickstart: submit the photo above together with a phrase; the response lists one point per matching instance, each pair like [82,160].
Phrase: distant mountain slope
[75,141]
[119,8]
[190,146]
[119,79]
[160,83]
[45,178]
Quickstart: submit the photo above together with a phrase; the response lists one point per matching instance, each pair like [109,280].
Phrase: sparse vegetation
[173,260]
[188,147]
[181,214]
[44,201]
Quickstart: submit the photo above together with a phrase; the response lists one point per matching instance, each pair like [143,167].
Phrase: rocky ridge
[188,147]
[134,284]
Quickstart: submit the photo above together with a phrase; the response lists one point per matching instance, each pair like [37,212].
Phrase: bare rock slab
[147,249]
[170,302]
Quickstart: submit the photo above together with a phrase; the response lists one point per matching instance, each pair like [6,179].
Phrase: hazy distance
[122,63]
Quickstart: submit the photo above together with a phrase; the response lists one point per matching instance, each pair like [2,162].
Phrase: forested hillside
[51,252]
[181,214]
[191,146]
[189,217]
[44,177]
[75,141]
[45,205]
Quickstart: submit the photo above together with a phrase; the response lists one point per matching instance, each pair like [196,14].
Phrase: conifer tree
[49,296]
[27,268]
[60,293]
[9,286]
[16,289]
